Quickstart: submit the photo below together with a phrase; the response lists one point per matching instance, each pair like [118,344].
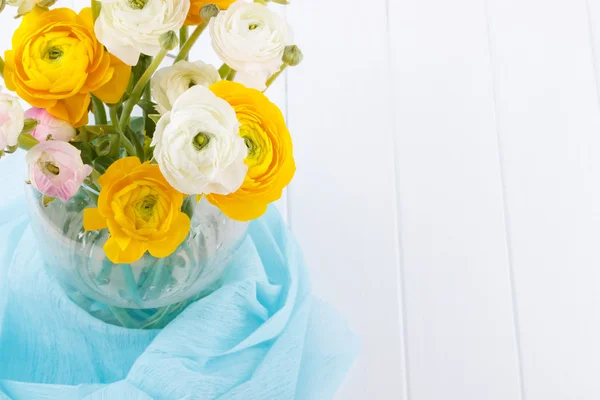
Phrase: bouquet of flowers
[162,131]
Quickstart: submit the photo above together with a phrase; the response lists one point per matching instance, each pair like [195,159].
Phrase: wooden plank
[460,325]
[343,198]
[549,122]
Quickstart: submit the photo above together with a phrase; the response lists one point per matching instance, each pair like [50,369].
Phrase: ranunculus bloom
[56,169]
[193,16]
[170,82]
[130,27]
[270,158]
[47,125]
[11,120]
[56,62]
[141,211]
[197,145]
[251,39]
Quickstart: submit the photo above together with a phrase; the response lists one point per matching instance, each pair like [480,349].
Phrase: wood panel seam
[505,211]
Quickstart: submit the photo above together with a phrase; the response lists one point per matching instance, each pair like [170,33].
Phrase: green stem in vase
[123,317]
[130,283]
[103,276]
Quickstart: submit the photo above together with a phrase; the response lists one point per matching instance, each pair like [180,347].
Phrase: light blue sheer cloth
[261,336]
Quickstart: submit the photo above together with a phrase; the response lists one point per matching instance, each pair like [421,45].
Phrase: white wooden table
[448,191]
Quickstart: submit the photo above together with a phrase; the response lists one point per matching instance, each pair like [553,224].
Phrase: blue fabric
[262,335]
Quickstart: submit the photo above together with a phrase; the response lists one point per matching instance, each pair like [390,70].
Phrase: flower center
[52,168]
[201,140]
[192,84]
[54,53]
[253,26]
[137,4]
[251,146]
[145,207]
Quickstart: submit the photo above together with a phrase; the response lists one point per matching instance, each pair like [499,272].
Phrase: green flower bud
[209,11]
[168,40]
[29,125]
[292,55]
[284,2]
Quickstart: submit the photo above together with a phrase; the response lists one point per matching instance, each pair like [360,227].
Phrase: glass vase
[147,294]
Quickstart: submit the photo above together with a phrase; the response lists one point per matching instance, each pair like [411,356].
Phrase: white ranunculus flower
[251,39]
[24,6]
[12,119]
[171,82]
[197,145]
[130,27]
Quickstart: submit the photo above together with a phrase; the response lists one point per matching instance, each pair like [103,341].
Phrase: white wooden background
[448,191]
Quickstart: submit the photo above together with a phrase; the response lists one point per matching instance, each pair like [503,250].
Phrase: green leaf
[102,163]
[137,125]
[147,106]
[88,154]
[136,139]
[107,145]
[148,151]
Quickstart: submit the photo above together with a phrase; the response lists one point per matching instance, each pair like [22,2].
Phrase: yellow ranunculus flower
[56,62]
[270,158]
[140,209]
[193,16]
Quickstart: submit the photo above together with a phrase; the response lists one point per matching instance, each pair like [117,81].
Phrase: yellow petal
[119,169]
[134,251]
[73,109]
[93,220]
[239,209]
[173,238]
[112,91]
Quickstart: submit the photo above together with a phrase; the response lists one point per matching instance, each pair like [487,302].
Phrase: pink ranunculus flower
[56,169]
[49,125]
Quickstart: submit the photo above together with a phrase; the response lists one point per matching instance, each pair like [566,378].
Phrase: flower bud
[2,5]
[292,55]
[46,3]
[29,125]
[284,2]
[168,40]
[209,11]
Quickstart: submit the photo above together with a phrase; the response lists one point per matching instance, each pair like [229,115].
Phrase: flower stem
[275,76]
[224,71]
[130,283]
[114,118]
[183,53]
[27,141]
[138,89]
[231,75]
[99,111]
[184,34]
